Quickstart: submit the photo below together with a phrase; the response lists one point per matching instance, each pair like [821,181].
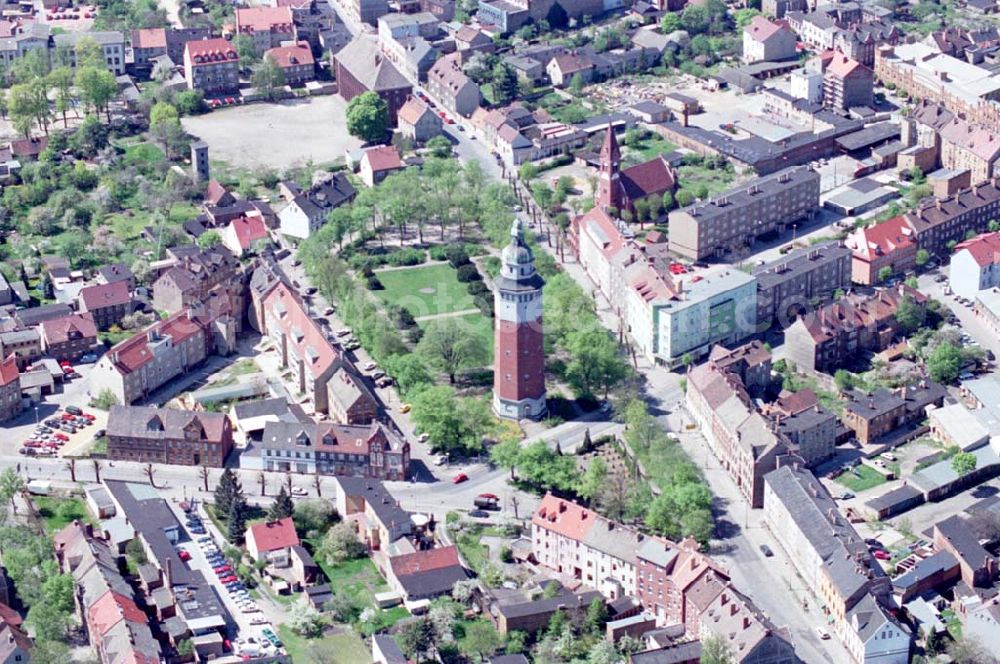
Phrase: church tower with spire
[610,193]
[518,354]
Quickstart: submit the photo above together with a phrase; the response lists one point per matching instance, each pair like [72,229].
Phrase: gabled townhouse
[267,26]
[302,348]
[765,40]
[150,43]
[740,437]
[69,337]
[975,265]
[328,448]
[978,568]
[11,403]
[418,121]
[306,209]
[824,339]
[108,274]
[111,43]
[242,233]
[24,38]
[425,574]
[195,274]
[106,303]
[165,435]
[564,68]
[835,563]
[810,429]
[351,401]
[447,83]
[378,163]
[369,505]
[15,645]
[876,416]
[272,541]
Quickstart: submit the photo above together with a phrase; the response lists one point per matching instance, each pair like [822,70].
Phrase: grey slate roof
[683,652]
[363,59]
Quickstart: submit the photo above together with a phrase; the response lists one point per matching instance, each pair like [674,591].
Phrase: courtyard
[282,135]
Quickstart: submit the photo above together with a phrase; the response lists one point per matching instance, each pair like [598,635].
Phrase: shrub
[406,257]
[477,288]
[438,252]
[402,317]
[457,255]
[485,305]
[374,284]
[367,272]
[467,273]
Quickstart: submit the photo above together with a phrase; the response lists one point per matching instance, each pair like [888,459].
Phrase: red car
[461,477]
[67,416]
[61,436]
[184,555]
[87,416]
[882,555]
[489,496]
[222,569]
[228,579]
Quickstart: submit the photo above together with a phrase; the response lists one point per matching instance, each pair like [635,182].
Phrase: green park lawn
[425,291]
[57,513]
[345,648]
[480,325]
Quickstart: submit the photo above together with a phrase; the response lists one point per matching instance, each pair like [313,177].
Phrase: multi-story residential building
[583,545]
[24,345]
[328,448]
[69,337]
[509,15]
[26,37]
[267,26]
[829,337]
[765,40]
[835,563]
[666,573]
[150,43]
[888,244]
[134,368]
[975,265]
[212,66]
[739,436]
[165,435]
[978,568]
[922,72]
[860,42]
[847,83]
[362,67]
[668,316]
[447,83]
[809,429]
[307,209]
[732,221]
[874,416]
[111,43]
[369,11]
[15,646]
[11,402]
[959,144]
[350,400]
[296,62]
[107,303]
[800,279]
[301,345]
[195,274]
[939,222]
[778,8]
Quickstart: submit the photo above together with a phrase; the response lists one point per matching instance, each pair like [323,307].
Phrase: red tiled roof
[10,616]
[412,111]
[761,29]
[570,63]
[133,353]
[215,192]
[111,609]
[275,535]
[383,158]
[425,561]
[149,38]
[104,295]
[563,517]
[263,19]
[58,330]
[652,177]
[612,237]
[882,239]
[301,330]
[984,249]
[292,56]
[8,370]
[24,147]
[248,229]
[843,66]
[208,51]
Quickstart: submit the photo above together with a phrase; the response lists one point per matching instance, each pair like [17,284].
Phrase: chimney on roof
[168,574]
[746,622]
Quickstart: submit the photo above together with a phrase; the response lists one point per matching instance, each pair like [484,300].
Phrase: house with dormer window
[164,435]
[328,448]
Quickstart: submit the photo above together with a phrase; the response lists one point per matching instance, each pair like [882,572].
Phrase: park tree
[440,147]
[506,455]
[89,53]
[165,127]
[246,49]
[11,486]
[910,315]
[306,621]
[227,491]
[884,274]
[282,507]
[97,87]
[963,463]
[944,363]
[450,345]
[60,79]
[409,371]
[595,363]
[268,78]
[27,107]
[368,117]
[236,521]
[593,479]
[541,467]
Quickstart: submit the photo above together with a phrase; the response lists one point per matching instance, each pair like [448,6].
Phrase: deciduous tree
[368,117]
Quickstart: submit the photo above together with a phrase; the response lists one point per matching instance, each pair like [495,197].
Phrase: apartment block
[165,435]
[111,43]
[732,221]
[212,66]
[975,265]
[939,222]
[800,280]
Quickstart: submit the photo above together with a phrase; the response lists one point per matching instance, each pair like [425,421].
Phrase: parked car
[370,366]
[405,408]
[423,438]
[766,550]
[89,358]
[299,491]
[184,555]
[881,554]
[73,410]
[328,311]
[461,477]
[822,633]
[343,333]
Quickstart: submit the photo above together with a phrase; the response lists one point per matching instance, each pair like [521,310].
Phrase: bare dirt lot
[279,135]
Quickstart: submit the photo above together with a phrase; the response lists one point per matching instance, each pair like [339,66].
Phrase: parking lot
[248,615]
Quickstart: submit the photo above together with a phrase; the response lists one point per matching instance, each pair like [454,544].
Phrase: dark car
[53,423]
[766,550]
[73,410]
[311,290]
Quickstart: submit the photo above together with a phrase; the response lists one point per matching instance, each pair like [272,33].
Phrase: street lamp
[36,415]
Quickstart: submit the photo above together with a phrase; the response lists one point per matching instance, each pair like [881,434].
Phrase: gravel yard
[278,135]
